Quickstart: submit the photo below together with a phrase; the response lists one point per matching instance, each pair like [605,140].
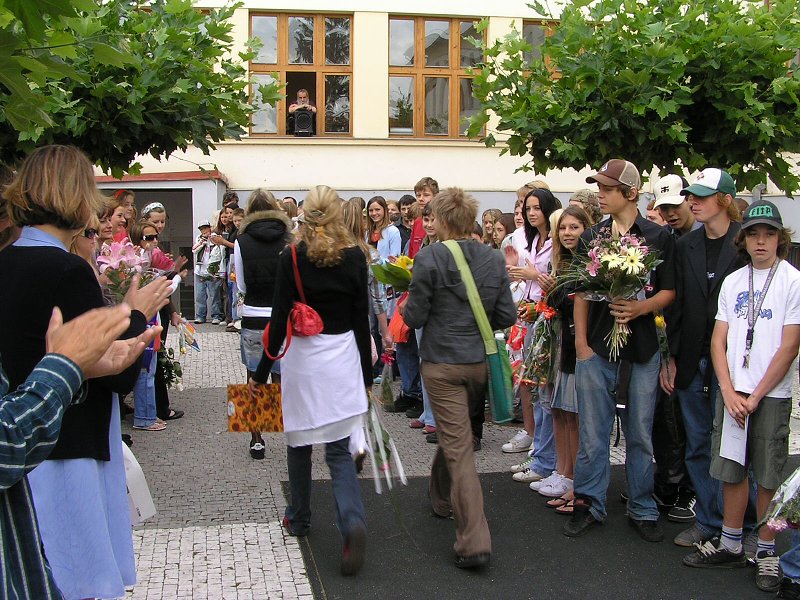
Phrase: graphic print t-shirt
[781,307]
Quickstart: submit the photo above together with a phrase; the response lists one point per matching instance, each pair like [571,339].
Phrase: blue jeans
[544,441]
[697,409]
[232,299]
[596,384]
[408,364]
[203,289]
[427,411]
[790,560]
[144,395]
[346,490]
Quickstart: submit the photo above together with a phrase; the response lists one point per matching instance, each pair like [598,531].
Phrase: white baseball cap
[668,190]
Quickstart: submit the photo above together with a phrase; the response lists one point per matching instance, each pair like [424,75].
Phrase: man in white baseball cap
[673,206]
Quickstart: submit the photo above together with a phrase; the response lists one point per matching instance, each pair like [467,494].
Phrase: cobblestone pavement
[217,533]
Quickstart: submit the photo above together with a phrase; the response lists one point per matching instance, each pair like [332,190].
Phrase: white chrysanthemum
[632,261]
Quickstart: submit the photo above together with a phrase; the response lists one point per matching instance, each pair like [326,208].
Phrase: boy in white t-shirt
[755,342]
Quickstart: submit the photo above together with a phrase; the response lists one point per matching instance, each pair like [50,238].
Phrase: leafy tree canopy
[676,85]
[119,78]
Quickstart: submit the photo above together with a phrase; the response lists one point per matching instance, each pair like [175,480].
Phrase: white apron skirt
[322,389]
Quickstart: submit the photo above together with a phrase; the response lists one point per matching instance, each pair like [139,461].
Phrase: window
[311,52]
[430,88]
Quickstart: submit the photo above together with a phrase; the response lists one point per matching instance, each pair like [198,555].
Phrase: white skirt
[322,389]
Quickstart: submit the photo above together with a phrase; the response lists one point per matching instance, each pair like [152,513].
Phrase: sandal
[567,508]
[154,427]
[557,502]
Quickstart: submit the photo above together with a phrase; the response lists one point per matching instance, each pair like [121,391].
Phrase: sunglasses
[151,237]
[90,233]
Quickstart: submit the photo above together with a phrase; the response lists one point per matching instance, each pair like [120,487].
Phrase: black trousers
[162,392]
[669,448]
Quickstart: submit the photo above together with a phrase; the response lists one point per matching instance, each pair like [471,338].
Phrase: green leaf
[107,55]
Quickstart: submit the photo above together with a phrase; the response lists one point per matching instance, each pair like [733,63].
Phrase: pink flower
[118,256]
[593,267]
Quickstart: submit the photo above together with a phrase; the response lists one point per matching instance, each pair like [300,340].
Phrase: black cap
[762,212]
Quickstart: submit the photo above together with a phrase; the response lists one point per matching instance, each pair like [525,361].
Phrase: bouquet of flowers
[783,511]
[539,365]
[396,274]
[173,371]
[118,263]
[383,453]
[387,394]
[613,268]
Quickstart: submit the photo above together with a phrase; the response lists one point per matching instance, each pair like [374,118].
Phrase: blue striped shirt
[30,419]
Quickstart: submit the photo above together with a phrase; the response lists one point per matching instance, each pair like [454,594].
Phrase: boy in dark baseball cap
[759,302]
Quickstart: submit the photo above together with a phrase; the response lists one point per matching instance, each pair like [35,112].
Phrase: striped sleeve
[30,417]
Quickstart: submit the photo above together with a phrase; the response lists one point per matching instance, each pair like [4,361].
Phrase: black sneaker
[713,555]
[432,438]
[474,561]
[476,444]
[769,573]
[649,531]
[415,411]
[790,590]
[683,511]
[257,450]
[580,521]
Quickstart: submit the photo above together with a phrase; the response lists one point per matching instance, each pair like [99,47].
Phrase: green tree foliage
[119,78]
[670,84]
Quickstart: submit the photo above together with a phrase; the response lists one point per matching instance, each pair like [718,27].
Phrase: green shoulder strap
[473,296]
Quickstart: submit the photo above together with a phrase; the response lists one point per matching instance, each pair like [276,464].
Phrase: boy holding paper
[754,343]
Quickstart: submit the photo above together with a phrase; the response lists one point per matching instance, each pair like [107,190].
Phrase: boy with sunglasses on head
[759,302]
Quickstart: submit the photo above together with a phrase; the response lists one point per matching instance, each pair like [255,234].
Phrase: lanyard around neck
[754,308]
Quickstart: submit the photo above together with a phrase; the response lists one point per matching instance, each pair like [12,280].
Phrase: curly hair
[324,233]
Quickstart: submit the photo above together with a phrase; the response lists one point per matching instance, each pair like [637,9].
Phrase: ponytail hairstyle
[324,233]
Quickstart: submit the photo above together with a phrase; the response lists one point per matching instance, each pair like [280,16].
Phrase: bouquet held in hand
[395,274]
[118,263]
[612,268]
[540,363]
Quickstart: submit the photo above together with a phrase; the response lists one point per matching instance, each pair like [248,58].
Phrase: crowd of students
[722,285]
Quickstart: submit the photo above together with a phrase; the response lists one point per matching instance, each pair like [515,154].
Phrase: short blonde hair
[456,211]
[54,186]
[324,233]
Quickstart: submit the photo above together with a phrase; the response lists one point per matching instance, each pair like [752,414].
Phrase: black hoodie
[262,235]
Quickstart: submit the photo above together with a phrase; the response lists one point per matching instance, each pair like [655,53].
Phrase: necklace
[754,308]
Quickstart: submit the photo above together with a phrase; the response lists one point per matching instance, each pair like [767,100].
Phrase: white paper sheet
[733,444]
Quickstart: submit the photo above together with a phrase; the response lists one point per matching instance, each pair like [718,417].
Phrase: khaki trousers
[454,483]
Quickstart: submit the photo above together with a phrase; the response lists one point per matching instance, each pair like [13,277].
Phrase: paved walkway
[217,533]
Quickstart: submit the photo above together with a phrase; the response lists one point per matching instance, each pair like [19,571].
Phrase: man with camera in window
[301,117]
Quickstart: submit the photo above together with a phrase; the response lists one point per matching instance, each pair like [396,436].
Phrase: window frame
[454,72]
[282,66]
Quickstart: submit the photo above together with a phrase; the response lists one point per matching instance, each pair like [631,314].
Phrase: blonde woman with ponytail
[325,377]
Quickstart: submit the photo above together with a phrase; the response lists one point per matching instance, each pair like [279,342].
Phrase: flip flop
[154,427]
[567,508]
[557,502]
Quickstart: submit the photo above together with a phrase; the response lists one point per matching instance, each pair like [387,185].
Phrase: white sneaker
[519,443]
[556,488]
[518,468]
[537,485]
[527,475]
[215,321]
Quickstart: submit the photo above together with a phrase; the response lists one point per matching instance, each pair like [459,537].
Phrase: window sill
[290,140]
